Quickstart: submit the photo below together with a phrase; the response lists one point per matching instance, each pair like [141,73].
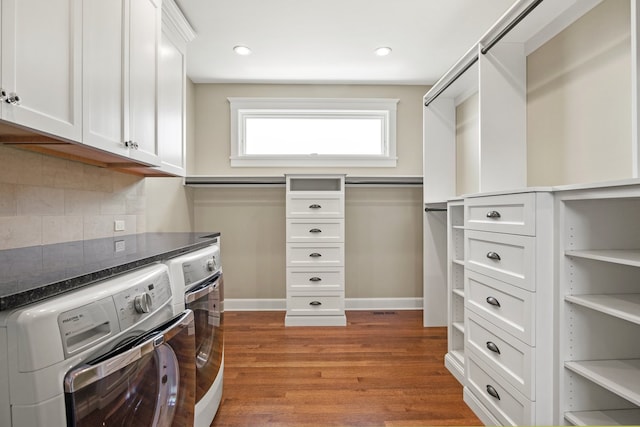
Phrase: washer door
[205,301]
[147,381]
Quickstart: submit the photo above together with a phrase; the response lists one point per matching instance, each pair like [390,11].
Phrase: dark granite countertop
[35,273]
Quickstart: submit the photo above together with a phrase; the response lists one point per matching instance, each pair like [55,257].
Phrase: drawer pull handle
[315,206]
[493,256]
[315,303]
[493,214]
[493,301]
[315,255]
[315,279]
[492,391]
[315,230]
[491,346]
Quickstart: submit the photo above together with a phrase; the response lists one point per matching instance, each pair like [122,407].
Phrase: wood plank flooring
[382,369]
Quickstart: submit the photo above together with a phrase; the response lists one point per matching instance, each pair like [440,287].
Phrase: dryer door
[146,381]
[205,301]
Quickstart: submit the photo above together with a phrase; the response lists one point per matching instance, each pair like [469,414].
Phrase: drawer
[325,230]
[315,206]
[513,213]
[315,305]
[315,254]
[508,307]
[508,356]
[506,404]
[318,279]
[505,257]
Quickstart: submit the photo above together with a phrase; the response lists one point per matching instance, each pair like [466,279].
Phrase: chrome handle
[493,301]
[315,303]
[315,279]
[314,206]
[315,255]
[492,391]
[493,256]
[491,346]
[315,230]
[493,214]
[12,99]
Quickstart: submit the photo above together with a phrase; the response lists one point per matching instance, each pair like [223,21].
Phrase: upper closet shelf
[629,257]
[622,306]
[279,181]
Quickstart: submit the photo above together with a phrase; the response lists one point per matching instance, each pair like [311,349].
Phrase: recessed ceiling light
[383,51]
[242,50]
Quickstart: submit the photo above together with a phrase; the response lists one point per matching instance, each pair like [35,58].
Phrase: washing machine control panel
[138,301]
[201,268]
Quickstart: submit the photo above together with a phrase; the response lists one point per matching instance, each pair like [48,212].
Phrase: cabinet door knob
[3,95]
[492,391]
[493,301]
[128,144]
[493,214]
[315,279]
[315,255]
[315,230]
[12,99]
[315,206]
[491,346]
[315,303]
[494,256]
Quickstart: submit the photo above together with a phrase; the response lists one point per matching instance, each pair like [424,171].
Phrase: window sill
[314,161]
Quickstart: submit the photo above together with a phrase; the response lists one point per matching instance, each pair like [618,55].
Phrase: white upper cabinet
[120,61]
[41,65]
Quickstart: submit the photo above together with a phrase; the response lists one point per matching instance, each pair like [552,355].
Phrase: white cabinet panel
[305,231]
[513,213]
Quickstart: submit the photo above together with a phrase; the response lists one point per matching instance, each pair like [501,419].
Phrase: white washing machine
[197,283]
[112,353]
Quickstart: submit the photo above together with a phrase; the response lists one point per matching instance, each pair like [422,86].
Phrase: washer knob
[212,264]
[142,303]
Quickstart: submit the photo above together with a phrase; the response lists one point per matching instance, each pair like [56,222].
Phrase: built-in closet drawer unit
[515,214]
[315,250]
[509,305]
[504,402]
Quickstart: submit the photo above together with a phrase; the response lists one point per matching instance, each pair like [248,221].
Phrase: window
[313,132]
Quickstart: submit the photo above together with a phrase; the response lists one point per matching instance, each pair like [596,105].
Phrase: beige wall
[468,146]
[46,200]
[383,240]
[212,124]
[579,101]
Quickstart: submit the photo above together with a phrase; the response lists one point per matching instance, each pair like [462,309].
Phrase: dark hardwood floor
[382,369]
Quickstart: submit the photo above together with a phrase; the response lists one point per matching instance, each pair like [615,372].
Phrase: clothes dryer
[112,353]
[198,285]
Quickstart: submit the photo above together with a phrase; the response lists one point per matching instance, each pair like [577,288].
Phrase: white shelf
[619,417]
[621,377]
[458,261]
[459,292]
[617,256]
[459,326]
[458,227]
[623,306]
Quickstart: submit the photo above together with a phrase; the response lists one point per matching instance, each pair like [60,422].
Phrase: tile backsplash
[47,200]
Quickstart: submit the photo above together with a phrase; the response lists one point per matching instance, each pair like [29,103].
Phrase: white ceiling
[332,41]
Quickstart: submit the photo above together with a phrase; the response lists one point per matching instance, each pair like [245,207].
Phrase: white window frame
[241,108]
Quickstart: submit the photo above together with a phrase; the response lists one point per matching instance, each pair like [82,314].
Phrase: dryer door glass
[146,381]
[205,301]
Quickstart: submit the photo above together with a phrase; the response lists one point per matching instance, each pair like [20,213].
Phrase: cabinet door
[144,39]
[41,64]
[171,105]
[103,77]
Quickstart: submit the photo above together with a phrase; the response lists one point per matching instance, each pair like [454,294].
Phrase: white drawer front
[506,257]
[508,356]
[315,206]
[506,306]
[510,407]
[315,305]
[304,231]
[513,213]
[318,254]
[318,279]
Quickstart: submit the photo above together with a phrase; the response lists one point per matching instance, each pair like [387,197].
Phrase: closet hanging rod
[450,82]
[510,26]
[435,209]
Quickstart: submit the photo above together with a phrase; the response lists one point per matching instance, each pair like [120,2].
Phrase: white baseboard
[246,304]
